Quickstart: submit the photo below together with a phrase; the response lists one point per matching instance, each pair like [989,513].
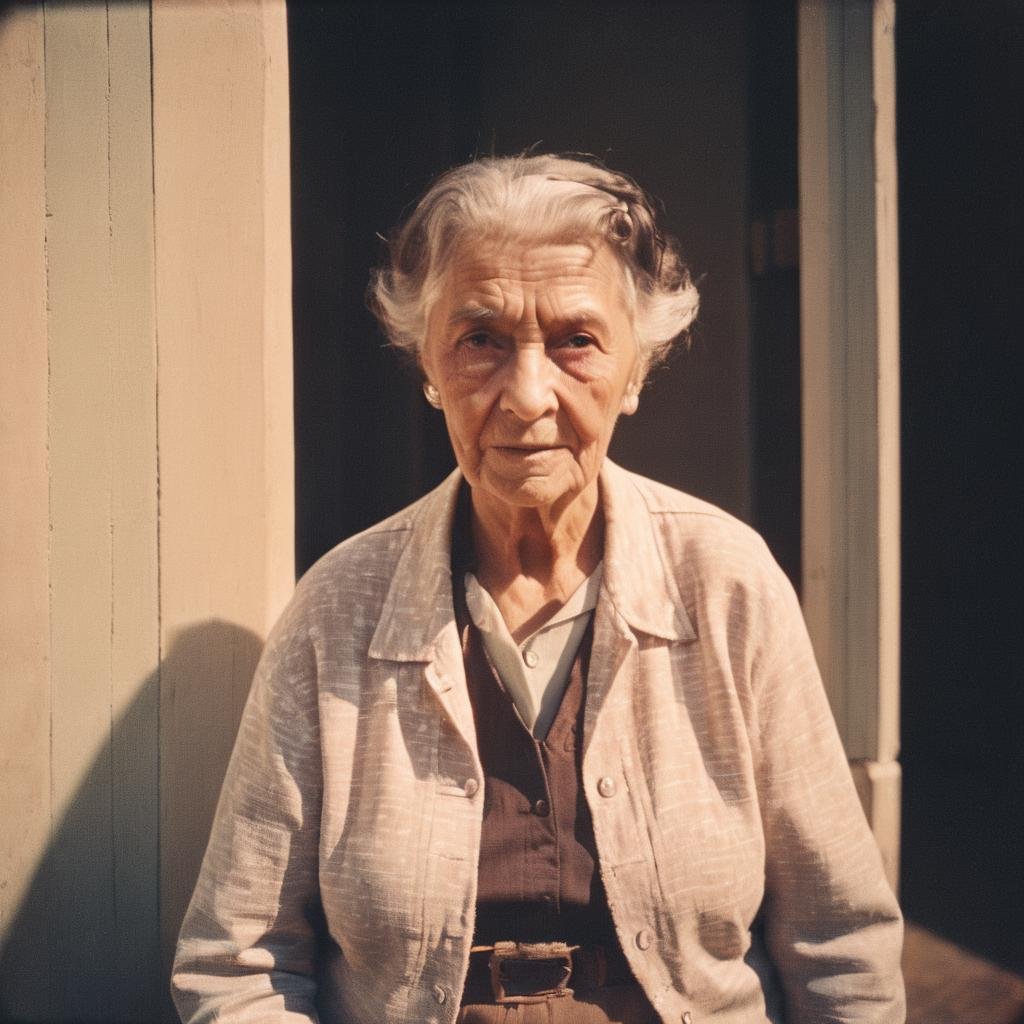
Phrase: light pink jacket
[743,880]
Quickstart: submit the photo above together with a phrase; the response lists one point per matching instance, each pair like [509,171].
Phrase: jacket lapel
[636,580]
[639,595]
[417,622]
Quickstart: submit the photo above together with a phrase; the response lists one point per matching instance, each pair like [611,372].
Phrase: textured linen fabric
[743,880]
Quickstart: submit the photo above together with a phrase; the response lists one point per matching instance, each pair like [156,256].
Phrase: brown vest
[538,877]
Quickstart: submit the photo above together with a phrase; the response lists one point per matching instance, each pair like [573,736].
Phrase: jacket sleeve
[246,950]
[832,923]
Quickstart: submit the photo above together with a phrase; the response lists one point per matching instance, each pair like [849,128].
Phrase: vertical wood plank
[849,316]
[81,327]
[887,256]
[133,517]
[822,434]
[857,395]
[223,323]
[24,502]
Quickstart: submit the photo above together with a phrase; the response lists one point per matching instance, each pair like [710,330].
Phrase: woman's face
[531,348]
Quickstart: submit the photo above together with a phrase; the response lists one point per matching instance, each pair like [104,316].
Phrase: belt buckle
[517,968]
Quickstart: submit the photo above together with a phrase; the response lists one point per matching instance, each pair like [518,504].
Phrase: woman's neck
[532,560]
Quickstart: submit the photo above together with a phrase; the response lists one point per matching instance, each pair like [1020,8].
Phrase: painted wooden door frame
[849,311]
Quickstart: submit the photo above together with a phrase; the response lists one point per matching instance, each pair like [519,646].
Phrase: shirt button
[606,786]
[541,809]
[687,1017]
[471,788]
[440,994]
[643,939]
[532,658]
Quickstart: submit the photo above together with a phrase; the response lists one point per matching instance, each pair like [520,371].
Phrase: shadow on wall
[85,944]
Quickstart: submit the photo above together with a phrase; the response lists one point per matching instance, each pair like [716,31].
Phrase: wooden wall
[146,530]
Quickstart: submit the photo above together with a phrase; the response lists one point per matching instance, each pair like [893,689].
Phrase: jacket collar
[639,584]
[419,604]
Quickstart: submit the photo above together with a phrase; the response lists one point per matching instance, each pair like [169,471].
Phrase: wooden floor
[948,985]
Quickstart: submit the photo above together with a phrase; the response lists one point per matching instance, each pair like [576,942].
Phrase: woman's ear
[630,400]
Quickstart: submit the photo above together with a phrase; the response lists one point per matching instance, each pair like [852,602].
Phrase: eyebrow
[584,316]
[472,312]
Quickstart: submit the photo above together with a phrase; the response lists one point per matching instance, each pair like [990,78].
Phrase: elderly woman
[550,744]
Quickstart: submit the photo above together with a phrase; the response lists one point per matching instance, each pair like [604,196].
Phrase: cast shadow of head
[93,936]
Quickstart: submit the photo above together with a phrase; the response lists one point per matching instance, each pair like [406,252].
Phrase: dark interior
[959,122]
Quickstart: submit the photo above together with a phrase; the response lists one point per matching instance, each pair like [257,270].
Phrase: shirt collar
[419,603]
[485,614]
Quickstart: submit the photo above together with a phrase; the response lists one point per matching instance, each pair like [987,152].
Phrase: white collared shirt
[535,672]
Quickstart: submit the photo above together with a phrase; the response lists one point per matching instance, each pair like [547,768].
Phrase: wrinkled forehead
[502,271]
[537,229]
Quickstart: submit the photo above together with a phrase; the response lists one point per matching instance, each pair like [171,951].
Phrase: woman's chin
[534,490]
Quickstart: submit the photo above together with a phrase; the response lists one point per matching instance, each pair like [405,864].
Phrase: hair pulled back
[546,198]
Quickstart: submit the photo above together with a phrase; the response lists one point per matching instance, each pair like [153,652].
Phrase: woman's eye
[578,341]
[478,339]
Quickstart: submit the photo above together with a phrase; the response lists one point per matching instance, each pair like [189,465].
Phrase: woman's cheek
[590,411]
[465,418]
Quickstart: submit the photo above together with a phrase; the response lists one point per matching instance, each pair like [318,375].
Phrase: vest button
[471,788]
[643,939]
[687,1017]
[541,809]
[531,658]
[606,786]
[440,994]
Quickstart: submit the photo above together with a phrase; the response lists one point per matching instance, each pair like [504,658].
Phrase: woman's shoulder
[355,575]
[726,576]
[697,524]
[711,553]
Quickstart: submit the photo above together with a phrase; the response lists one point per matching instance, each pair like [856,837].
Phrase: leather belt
[534,972]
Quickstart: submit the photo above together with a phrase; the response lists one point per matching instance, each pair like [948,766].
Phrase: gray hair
[546,198]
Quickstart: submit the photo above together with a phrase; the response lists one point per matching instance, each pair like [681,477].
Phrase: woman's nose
[529,391]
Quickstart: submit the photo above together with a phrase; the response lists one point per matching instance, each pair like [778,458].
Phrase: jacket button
[643,939]
[440,994]
[471,788]
[541,809]
[606,786]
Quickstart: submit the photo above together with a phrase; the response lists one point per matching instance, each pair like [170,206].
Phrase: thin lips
[528,447]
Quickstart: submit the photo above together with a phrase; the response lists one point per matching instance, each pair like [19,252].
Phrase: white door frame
[849,310]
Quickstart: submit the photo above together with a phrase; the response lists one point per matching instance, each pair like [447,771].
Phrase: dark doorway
[774,281]
[959,125]
[387,95]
